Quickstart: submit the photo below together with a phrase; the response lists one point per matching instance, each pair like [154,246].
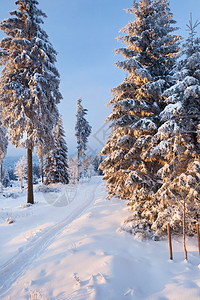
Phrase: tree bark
[30,198]
[198,238]
[170,241]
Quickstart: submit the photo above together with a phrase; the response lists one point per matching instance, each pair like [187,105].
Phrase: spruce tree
[150,53]
[6,179]
[83,130]
[56,165]
[177,144]
[29,85]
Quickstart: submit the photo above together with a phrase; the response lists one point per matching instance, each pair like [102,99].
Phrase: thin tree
[41,154]
[21,171]
[83,131]
[29,85]
[88,167]
[73,168]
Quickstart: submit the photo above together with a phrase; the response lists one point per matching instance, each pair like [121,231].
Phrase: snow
[135,66]
[77,250]
[164,170]
[192,91]
[162,147]
[171,110]
[145,124]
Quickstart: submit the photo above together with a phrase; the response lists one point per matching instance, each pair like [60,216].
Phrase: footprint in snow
[43,272]
[91,282]
[96,279]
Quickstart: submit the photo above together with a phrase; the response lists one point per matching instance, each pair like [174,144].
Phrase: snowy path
[87,257]
[18,265]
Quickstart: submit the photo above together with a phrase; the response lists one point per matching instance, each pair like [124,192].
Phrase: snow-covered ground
[69,246]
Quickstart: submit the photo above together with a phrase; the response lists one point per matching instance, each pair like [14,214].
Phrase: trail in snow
[18,265]
[88,257]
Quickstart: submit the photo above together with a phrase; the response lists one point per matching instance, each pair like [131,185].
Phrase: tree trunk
[30,198]
[184,244]
[75,173]
[170,241]
[198,238]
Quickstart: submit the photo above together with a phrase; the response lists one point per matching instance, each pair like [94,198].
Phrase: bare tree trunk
[184,244]
[30,198]
[170,241]
[197,225]
[74,175]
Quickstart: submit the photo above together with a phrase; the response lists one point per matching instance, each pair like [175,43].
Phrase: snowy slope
[75,249]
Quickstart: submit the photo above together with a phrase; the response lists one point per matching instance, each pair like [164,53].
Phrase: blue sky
[84,33]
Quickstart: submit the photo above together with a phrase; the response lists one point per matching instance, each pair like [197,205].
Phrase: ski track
[18,264]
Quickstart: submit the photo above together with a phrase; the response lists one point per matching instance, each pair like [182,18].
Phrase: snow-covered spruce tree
[83,130]
[3,147]
[56,165]
[177,144]
[21,170]
[150,53]
[6,179]
[29,85]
